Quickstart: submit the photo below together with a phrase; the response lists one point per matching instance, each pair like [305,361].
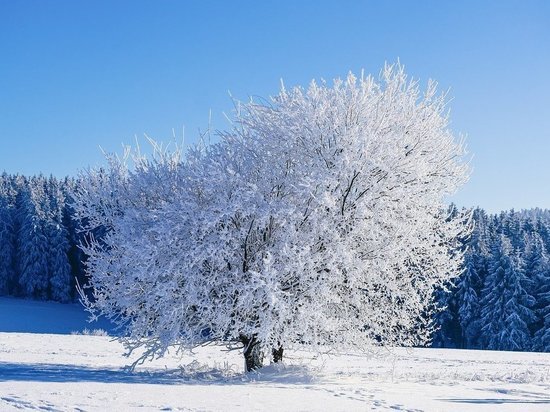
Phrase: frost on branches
[319,219]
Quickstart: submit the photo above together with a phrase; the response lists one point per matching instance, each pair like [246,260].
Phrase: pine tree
[470,283]
[75,236]
[537,264]
[8,230]
[446,325]
[32,242]
[506,306]
[7,247]
[60,279]
[541,341]
[468,299]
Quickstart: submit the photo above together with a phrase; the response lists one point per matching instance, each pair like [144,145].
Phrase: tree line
[501,301]
[39,237]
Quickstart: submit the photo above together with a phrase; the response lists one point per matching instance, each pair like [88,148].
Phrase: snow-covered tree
[468,301]
[75,236]
[7,233]
[537,264]
[60,279]
[446,320]
[318,219]
[32,241]
[470,282]
[7,244]
[541,341]
[506,305]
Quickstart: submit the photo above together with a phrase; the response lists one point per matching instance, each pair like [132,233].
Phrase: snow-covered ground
[78,372]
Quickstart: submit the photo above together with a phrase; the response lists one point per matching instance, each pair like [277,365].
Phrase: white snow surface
[63,372]
[75,372]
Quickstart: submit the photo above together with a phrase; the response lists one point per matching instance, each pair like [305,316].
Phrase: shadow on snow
[194,373]
[496,401]
[523,397]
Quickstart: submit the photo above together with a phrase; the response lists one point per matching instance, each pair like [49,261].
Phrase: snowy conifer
[470,283]
[537,264]
[60,278]
[506,305]
[32,241]
[7,244]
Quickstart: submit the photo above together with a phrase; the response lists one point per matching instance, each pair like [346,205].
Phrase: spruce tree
[506,305]
[446,334]
[32,242]
[60,279]
[470,283]
[538,265]
[468,299]
[7,249]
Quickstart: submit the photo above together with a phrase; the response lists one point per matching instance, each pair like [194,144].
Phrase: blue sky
[76,75]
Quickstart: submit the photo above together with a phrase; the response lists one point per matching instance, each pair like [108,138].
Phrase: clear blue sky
[76,75]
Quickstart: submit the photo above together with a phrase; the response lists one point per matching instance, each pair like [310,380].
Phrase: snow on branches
[318,219]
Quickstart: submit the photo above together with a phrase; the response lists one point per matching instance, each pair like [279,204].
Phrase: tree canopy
[318,218]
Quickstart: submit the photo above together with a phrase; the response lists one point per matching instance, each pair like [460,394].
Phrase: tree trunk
[277,354]
[253,356]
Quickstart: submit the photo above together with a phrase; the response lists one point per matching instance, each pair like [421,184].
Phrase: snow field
[77,372]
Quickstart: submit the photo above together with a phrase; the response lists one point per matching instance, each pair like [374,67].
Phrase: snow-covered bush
[90,332]
[318,219]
